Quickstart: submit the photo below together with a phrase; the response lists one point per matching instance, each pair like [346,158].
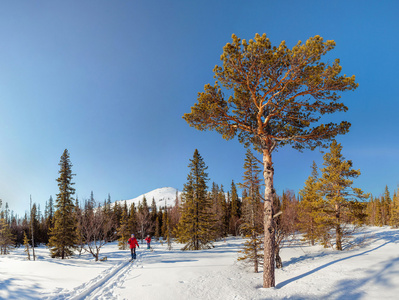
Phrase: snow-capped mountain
[162,196]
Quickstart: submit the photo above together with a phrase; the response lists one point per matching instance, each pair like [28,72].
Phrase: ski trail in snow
[102,286]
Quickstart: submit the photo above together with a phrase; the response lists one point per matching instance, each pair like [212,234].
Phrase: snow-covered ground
[367,272]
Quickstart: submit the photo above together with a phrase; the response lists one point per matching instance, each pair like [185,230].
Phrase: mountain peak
[162,196]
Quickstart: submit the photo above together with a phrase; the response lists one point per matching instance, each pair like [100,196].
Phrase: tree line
[327,211]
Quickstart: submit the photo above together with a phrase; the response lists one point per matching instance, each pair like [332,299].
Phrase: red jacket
[133,243]
[148,239]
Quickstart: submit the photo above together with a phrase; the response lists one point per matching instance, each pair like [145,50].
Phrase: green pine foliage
[314,221]
[195,228]
[339,195]
[26,244]
[6,237]
[269,97]
[63,237]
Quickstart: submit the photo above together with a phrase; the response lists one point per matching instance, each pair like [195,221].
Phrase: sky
[111,80]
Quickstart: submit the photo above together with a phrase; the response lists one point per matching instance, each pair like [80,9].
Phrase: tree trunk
[268,264]
[338,230]
[279,262]
[256,262]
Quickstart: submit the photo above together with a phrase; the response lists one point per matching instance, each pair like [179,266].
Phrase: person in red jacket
[133,243]
[148,240]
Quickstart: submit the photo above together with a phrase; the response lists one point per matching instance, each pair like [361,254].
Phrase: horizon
[110,82]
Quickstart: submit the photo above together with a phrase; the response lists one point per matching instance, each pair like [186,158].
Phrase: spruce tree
[252,225]
[133,224]
[336,186]
[123,230]
[385,206]
[63,237]
[235,201]
[195,228]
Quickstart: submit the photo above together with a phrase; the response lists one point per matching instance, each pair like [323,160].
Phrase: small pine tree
[314,222]
[337,189]
[26,244]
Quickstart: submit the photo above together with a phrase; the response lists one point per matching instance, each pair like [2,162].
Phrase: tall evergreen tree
[336,186]
[251,224]
[123,230]
[63,236]
[195,228]
[385,206]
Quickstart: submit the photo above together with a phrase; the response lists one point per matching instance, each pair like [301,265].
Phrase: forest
[204,214]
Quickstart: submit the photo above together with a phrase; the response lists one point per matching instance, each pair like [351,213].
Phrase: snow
[162,196]
[369,271]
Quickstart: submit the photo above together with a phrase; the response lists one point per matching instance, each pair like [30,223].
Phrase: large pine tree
[272,96]
[63,237]
[195,228]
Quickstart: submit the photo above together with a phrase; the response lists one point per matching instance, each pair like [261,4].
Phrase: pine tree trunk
[268,264]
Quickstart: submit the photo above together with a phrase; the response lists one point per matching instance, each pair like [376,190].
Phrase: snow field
[310,272]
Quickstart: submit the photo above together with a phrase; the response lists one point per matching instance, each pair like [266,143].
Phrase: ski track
[102,287]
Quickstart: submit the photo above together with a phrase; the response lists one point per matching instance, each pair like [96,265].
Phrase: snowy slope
[370,271]
[163,196]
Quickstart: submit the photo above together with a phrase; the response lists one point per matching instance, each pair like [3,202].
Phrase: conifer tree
[394,220]
[123,230]
[314,222]
[385,207]
[195,228]
[235,209]
[63,236]
[6,237]
[336,187]
[133,224]
[144,218]
[252,225]
[26,244]
[271,97]
[153,216]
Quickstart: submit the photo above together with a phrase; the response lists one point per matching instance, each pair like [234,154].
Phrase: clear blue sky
[110,81]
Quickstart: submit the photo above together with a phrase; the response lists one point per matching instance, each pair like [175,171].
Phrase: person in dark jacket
[133,243]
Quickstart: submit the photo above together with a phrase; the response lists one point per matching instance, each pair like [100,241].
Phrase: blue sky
[110,81]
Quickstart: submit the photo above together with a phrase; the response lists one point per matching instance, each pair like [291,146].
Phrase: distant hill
[163,196]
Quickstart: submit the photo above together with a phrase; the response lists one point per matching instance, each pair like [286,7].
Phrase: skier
[133,243]
[148,240]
